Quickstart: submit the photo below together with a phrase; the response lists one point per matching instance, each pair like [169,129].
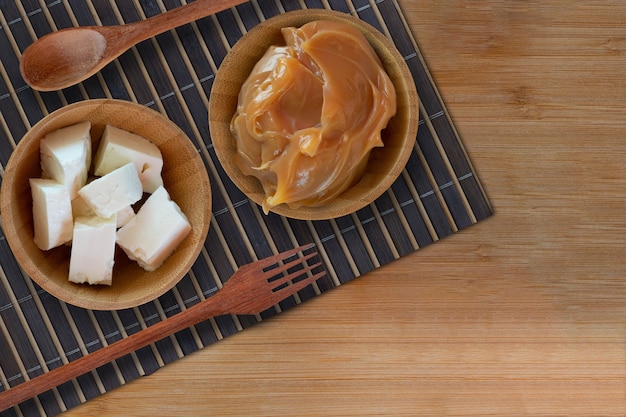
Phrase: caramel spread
[310,113]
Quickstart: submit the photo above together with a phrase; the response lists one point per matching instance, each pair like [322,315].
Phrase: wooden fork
[253,288]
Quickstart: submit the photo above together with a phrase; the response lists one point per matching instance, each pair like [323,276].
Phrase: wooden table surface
[521,314]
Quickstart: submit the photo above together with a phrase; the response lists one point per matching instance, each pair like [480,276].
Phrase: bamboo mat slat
[437,194]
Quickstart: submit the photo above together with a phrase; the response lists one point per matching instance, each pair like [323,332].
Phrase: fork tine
[295,274]
[284,267]
[271,260]
[285,292]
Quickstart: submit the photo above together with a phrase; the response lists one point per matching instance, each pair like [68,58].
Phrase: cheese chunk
[119,147]
[156,230]
[93,250]
[80,208]
[52,213]
[66,156]
[124,216]
[109,194]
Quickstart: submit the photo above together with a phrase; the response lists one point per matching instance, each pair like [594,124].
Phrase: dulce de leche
[310,113]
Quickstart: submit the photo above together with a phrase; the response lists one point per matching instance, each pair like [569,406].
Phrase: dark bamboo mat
[437,194]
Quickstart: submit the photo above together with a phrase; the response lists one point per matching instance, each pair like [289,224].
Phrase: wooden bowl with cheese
[313,114]
[150,232]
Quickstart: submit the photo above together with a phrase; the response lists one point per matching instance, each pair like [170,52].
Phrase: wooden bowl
[385,164]
[184,177]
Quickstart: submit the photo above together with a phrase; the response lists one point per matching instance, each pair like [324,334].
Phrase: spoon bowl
[63,58]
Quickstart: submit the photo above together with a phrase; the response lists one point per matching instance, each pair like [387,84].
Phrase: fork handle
[204,310]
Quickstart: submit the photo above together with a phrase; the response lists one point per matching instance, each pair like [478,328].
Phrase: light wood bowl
[184,176]
[385,164]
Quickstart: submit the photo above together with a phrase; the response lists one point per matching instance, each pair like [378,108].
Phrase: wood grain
[522,314]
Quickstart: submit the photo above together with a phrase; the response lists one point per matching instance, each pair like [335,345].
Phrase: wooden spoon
[69,56]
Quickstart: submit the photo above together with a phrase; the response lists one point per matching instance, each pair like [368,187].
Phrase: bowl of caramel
[313,114]
[58,265]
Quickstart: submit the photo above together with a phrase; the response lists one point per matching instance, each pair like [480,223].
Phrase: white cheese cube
[80,208]
[156,230]
[93,250]
[119,147]
[66,156]
[124,216]
[109,194]
[52,213]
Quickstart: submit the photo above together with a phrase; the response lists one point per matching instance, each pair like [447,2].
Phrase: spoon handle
[155,25]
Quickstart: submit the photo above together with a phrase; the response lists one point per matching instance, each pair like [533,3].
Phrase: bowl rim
[8,209]
[250,186]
